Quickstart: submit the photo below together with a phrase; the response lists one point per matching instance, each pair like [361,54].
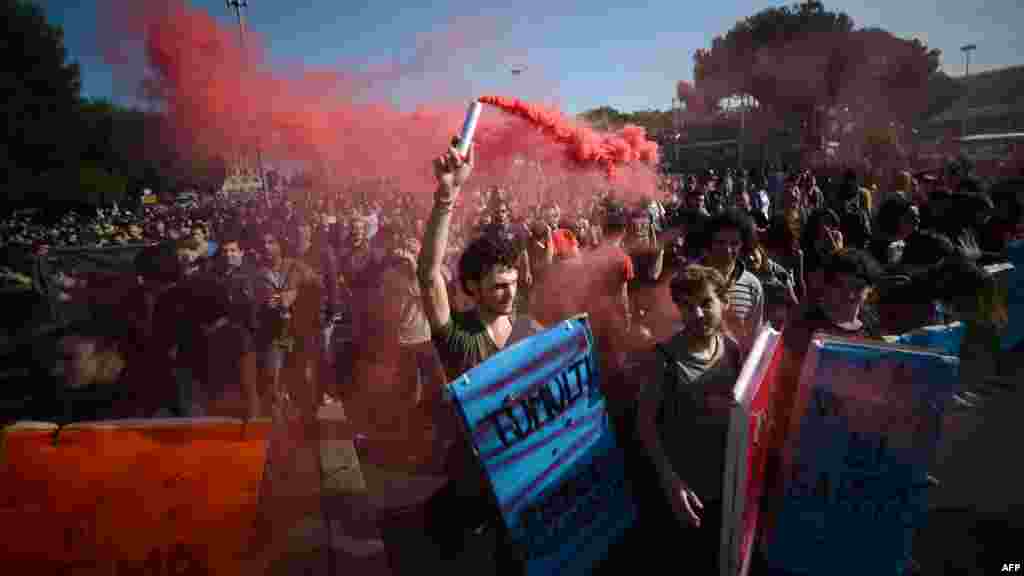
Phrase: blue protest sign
[866,424]
[945,338]
[540,430]
[1014,332]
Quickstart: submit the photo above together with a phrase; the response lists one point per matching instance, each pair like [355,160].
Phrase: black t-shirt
[693,428]
[182,310]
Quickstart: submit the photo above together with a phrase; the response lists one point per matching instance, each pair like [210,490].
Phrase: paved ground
[977,518]
[976,523]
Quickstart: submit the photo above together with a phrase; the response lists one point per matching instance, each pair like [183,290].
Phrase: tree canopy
[40,89]
[63,148]
[608,118]
[800,60]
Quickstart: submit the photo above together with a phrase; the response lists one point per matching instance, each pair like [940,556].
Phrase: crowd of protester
[243,305]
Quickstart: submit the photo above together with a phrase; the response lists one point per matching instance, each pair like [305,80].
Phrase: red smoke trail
[585,146]
[221,99]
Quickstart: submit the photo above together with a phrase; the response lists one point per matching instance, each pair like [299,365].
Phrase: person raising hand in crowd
[487,271]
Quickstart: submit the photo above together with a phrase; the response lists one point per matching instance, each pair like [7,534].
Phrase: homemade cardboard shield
[174,496]
[980,346]
[866,422]
[540,431]
[1014,286]
[945,338]
[747,452]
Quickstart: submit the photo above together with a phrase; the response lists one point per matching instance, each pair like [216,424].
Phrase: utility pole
[238,6]
[677,126]
[741,142]
[675,130]
[967,49]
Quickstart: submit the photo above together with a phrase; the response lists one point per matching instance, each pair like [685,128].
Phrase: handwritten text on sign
[541,432]
[520,416]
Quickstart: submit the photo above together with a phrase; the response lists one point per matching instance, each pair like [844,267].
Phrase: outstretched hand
[685,503]
[835,239]
[452,171]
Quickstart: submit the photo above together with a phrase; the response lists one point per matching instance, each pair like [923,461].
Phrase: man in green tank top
[487,272]
[461,517]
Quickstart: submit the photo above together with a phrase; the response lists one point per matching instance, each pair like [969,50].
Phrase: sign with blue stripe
[540,430]
[1014,283]
[866,424]
[945,338]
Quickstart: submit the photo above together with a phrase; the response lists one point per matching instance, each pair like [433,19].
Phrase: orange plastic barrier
[153,497]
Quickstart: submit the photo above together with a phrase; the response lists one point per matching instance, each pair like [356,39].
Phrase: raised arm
[658,265]
[451,171]
[524,268]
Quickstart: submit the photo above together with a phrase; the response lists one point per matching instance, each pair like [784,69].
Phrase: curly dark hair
[891,214]
[730,218]
[279,234]
[490,250]
[809,236]
[691,279]
[852,262]
[232,234]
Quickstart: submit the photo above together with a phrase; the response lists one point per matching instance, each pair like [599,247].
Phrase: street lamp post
[677,129]
[967,49]
[673,131]
[238,6]
[743,132]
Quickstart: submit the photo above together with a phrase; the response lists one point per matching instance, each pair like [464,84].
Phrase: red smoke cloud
[870,79]
[222,99]
[585,145]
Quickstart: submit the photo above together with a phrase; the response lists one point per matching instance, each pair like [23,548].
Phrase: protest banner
[949,338]
[945,338]
[118,259]
[981,342]
[1013,335]
[747,452]
[541,433]
[866,422]
[154,497]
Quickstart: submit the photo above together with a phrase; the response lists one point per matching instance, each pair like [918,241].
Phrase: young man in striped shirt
[728,235]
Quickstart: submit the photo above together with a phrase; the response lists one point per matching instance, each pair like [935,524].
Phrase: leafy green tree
[608,118]
[800,61]
[604,117]
[40,90]
[98,186]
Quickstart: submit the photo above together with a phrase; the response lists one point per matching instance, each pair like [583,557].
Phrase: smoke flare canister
[469,127]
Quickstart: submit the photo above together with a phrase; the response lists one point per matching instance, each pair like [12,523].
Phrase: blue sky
[579,54]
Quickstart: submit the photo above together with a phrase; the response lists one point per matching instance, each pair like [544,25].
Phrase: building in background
[992,101]
[243,179]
